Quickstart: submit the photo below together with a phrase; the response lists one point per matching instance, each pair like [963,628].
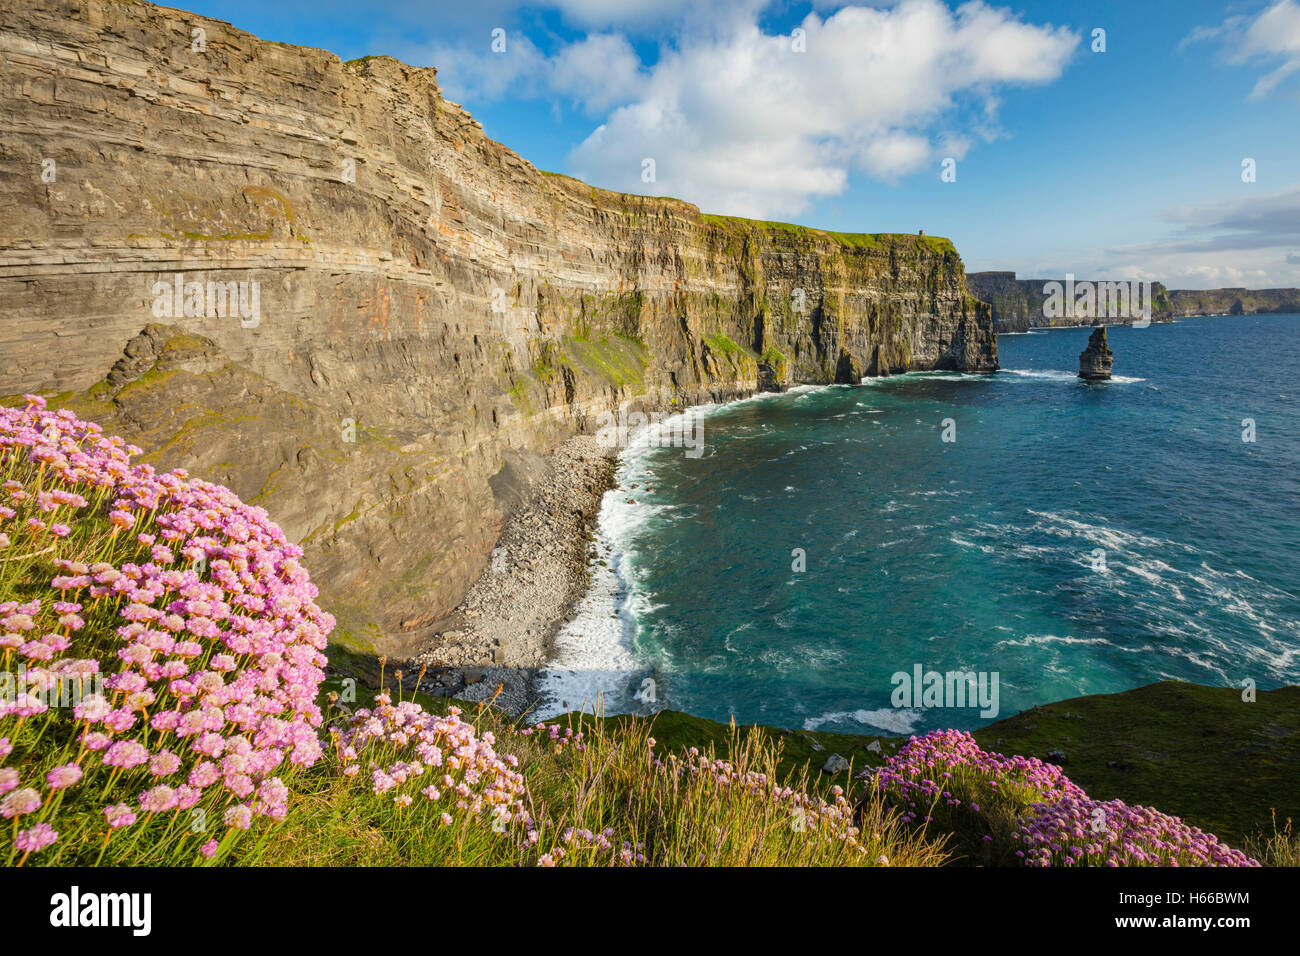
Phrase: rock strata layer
[321,284]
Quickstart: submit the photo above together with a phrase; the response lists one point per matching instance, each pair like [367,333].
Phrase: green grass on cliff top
[1200,753]
[855,240]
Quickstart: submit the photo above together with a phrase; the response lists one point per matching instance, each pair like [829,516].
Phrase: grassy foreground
[164,701]
[1220,763]
[1150,737]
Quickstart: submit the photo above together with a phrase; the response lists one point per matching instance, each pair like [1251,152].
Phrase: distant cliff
[321,284]
[1020,304]
[1183,302]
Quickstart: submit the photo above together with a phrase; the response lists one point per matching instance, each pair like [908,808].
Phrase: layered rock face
[1096,361]
[321,284]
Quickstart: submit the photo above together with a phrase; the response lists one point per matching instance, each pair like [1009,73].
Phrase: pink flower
[126,754]
[247,627]
[35,839]
[119,815]
[164,763]
[18,802]
[209,849]
[158,799]
[239,816]
[63,776]
[204,774]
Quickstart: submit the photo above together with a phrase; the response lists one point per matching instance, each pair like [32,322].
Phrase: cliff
[1184,302]
[1018,304]
[1021,304]
[423,311]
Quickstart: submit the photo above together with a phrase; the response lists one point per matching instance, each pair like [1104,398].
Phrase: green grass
[1200,753]
[870,241]
[722,343]
[1197,752]
[644,796]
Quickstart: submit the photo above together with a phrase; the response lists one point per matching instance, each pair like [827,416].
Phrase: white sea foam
[1033,640]
[1058,375]
[592,665]
[892,720]
[941,375]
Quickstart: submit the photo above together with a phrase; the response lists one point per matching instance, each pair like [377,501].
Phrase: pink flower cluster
[407,752]
[1063,826]
[919,775]
[189,608]
[552,734]
[1079,831]
[806,812]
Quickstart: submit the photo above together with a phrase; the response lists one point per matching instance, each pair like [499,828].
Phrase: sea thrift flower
[64,776]
[164,763]
[35,839]
[119,815]
[126,754]
[239,816]
[158,799]
[192,658]
[19,802]
[1080,831]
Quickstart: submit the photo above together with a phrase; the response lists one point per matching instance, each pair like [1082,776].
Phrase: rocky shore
[495,642]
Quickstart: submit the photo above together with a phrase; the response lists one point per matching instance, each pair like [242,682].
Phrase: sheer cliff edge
[320,284]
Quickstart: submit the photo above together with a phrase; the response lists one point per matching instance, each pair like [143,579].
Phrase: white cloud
[650,13]
[474,70]
[598,71]
[739,123]
[1251,241]
[1272,36]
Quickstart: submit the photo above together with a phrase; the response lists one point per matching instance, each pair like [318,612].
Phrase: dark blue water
[982,554]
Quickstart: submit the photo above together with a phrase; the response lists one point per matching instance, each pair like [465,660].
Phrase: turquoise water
[979,554]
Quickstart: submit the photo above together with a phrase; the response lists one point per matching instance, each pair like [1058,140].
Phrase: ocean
[1067,538]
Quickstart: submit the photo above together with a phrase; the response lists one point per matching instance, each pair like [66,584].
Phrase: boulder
[835,764]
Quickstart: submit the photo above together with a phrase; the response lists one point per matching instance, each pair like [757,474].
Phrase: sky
[1147,139]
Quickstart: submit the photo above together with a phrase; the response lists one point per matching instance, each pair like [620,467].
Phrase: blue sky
[1122,164]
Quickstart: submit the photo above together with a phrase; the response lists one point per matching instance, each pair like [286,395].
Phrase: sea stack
[1096,360]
